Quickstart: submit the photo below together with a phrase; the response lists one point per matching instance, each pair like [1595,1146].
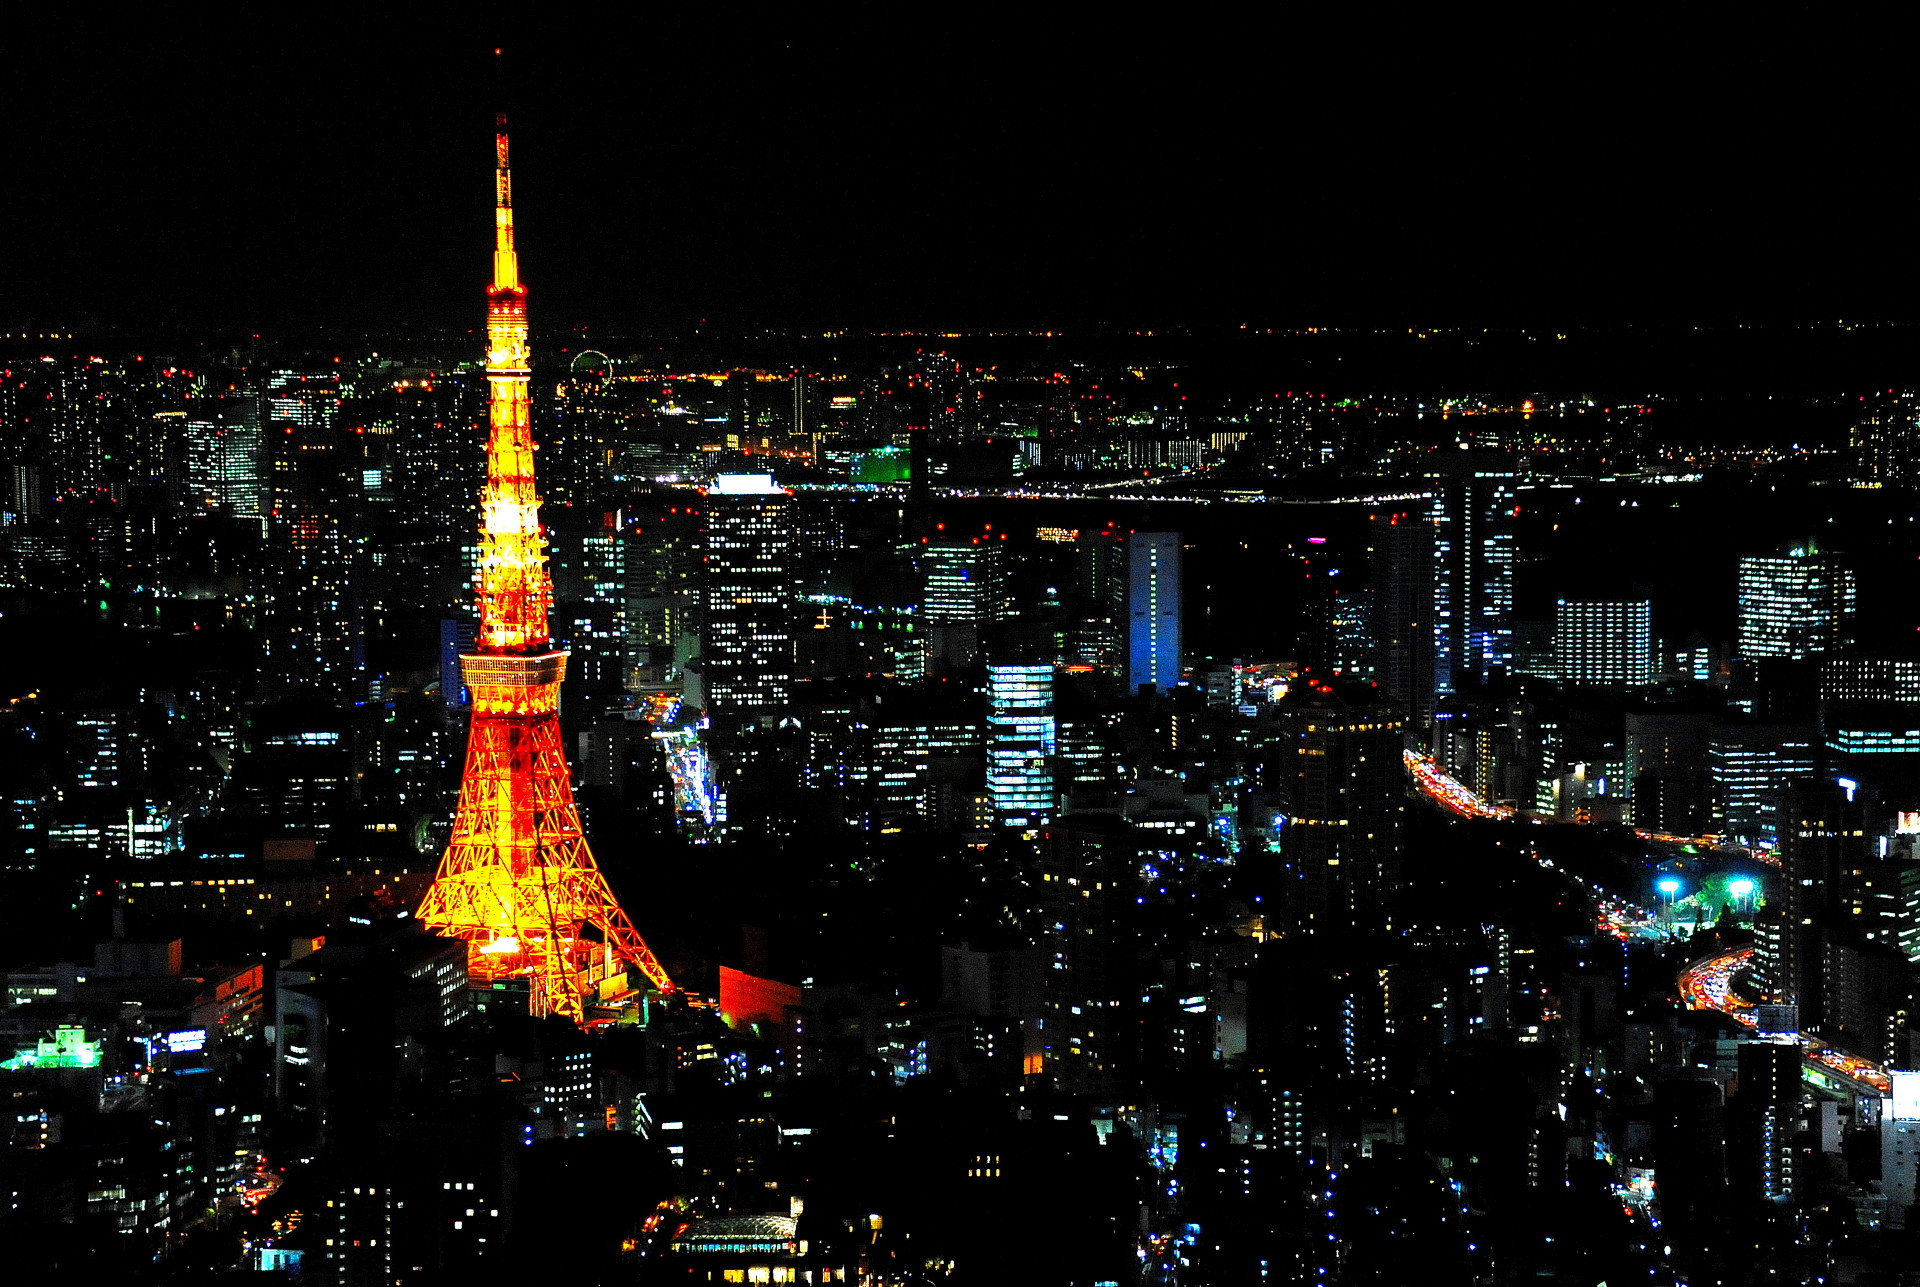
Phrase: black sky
[959,169]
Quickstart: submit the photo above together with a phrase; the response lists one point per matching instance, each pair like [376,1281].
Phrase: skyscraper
[746,600]
[312,634]
[1021,737]
[1400,570]
[1473,517]
[1334,773]
[590,598]
[965,582]
[1603,642]
[1153,611]
[1751,768]
[1795,604]
[225,454]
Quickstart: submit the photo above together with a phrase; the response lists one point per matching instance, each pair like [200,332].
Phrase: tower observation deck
[518,882]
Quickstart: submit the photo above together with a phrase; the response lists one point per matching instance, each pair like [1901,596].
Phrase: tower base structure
[518,882]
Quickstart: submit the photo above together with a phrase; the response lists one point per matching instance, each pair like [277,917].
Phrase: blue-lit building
[1153,611]
[456,638]
[1020,744]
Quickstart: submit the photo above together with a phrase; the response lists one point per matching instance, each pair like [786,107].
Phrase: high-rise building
[1886,440]
[1093,603]
[1400,572]
[226,464]
[590,599]
[1333,771]
[1603,642]
[1332,632]
[1153,611]
[1764,1118]
[1473,516]
[1900,1142]
[662,570]
[1751,767]
[1796,604]
[1021,738]
[965,582]
[746,600]
[312,632]
[1876,680]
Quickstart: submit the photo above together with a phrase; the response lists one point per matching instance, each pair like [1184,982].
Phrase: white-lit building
[1796,604]
[1474,509]
[746,628]
[964,582]
[1020,744]
[1603,642]
[1751,767]
[1900,1144]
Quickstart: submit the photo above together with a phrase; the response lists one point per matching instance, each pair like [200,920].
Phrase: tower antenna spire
[506,262]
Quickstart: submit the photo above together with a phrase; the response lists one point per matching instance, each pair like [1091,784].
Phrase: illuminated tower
[1153,611]
[518,882]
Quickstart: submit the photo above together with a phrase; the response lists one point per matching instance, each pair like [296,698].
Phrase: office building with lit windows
[1474,511]
[1884,680]
[746,601]
[964,582]
[1751,767]
[1332,770]
[1797,604]
[590,600]
[226,455]
[1020,743]
[1603,642]
[1153,611]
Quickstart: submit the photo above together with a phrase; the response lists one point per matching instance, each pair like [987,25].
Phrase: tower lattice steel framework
[518,881]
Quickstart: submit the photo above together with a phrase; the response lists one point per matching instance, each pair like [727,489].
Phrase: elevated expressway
[1707,984]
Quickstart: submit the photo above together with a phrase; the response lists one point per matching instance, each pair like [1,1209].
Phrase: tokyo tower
[518,882]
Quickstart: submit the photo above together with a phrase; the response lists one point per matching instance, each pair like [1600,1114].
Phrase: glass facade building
[1794,605]
[1020,744]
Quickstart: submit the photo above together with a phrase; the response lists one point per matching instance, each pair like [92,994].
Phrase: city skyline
[1176,799]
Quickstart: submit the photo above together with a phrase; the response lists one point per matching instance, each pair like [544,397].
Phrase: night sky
[959,170]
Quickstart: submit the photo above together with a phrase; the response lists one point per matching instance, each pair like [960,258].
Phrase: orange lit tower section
[518,882]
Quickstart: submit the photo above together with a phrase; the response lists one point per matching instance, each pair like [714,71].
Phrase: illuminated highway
[1707,984]
[1449,792]
[1618,917]
[1457,797]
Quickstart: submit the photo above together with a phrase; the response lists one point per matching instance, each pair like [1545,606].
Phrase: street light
[1669,887]
[1741,889]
